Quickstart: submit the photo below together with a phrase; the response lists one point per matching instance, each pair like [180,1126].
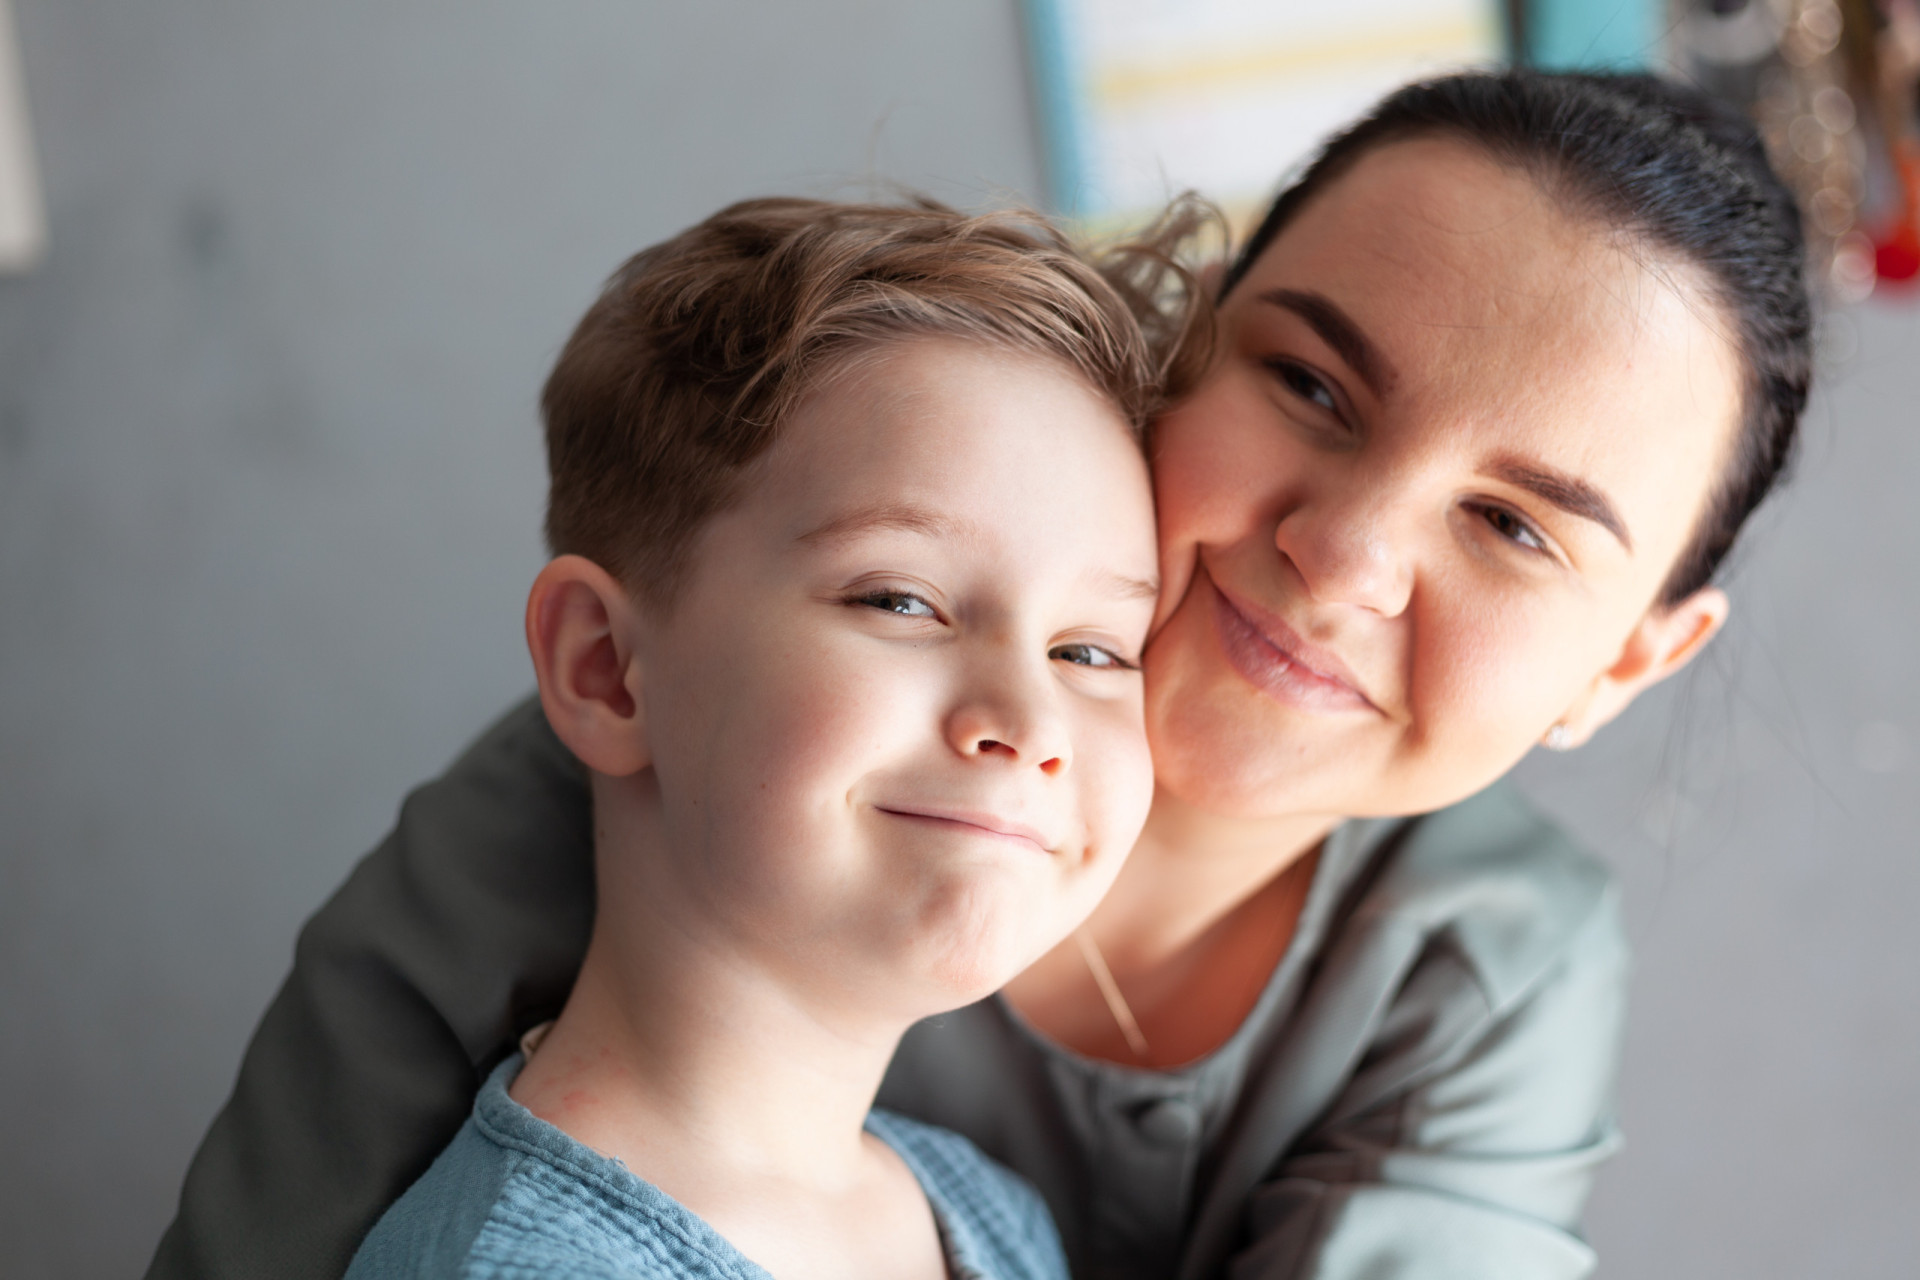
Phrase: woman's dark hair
[1674,169]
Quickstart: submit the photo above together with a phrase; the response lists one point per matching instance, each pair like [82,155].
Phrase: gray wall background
[269,487]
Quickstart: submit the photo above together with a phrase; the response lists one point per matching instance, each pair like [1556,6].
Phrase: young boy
[855,560]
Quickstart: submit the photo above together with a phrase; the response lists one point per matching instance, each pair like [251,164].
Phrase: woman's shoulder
[1500,883]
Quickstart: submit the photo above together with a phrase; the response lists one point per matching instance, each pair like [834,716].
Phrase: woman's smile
[1276,660]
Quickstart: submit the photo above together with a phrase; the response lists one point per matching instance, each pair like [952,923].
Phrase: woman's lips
[1276,661]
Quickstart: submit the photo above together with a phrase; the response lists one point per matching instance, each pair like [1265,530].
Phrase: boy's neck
[1191,869]
[1204,909]
[681,1054]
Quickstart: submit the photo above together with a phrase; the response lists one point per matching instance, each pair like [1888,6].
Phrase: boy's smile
[894,717]
[970,822]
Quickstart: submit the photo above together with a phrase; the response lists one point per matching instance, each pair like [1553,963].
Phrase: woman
[1498,382]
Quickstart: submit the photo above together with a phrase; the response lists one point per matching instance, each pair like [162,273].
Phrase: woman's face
[1421,507]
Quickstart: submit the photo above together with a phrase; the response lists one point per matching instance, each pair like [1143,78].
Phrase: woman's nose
[1350,548]
[1011,714]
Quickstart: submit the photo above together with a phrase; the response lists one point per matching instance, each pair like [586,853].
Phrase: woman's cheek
[1486,683]
[1177,488]
[1218,462]
[1211,746]
[1214,457]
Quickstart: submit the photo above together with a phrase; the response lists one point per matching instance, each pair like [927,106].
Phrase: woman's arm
[465,925]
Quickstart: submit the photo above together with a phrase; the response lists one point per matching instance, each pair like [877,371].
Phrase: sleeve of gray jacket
[1465,1143]
[466,924]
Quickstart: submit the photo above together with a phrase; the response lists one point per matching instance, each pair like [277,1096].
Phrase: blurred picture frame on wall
[1140,99]
[23,219]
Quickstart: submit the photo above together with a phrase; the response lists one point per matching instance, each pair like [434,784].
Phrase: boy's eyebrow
[908,518]
[902,517]
[1132,588]
[1337,329]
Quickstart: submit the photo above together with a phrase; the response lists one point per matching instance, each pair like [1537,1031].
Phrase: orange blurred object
[1896,255]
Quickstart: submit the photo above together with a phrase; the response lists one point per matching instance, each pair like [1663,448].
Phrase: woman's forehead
[1436,251]
[1449,236]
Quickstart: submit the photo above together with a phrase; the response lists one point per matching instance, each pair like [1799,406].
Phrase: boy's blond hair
[697,350]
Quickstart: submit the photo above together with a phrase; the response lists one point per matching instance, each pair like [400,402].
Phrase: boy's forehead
[973,448]
[896,516]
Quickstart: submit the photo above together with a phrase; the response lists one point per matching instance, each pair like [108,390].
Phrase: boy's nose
[1013,719]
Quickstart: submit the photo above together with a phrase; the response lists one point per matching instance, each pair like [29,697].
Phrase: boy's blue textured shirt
[512,1196]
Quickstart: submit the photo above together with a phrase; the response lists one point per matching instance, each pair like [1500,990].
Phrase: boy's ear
[1663,642]
[581,630]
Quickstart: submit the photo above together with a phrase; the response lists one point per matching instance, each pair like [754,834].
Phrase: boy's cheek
[790,743]
[1116,787]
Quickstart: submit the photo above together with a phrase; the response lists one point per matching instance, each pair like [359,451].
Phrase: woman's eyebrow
[1337,329]
[1569,493]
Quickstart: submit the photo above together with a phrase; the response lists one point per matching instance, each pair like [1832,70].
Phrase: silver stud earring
[1559,738]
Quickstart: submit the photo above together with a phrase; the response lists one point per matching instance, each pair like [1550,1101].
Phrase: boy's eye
[904,603]
[1088,655]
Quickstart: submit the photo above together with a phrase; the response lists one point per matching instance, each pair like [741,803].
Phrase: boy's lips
[1275,659]
[977,821]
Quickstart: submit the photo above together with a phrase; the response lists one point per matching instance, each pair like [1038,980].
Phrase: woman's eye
[1088,655]
[904,603]
[1513,528]
[1305,383]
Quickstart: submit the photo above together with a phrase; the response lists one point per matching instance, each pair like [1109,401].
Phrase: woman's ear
[1664,641]
[582,629]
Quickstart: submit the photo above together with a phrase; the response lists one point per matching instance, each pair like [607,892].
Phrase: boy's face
[895,713]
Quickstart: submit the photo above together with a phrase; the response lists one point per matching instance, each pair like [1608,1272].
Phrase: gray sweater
[1422,1093]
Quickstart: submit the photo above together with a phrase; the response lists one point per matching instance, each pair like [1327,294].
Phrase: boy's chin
[965,980]
[929,944]
[968,956]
